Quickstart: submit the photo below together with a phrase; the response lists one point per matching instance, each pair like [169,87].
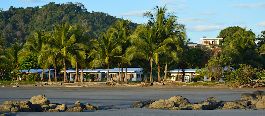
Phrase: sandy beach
[118,100]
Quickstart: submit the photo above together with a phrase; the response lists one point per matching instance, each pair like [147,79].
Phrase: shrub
[243,75]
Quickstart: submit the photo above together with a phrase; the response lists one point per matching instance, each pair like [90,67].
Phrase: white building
[133,74]
[209,42]
[182,75]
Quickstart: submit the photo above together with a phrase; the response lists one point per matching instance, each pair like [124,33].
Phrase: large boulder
[179,101]
[39,99]
[162,104]
[16,106]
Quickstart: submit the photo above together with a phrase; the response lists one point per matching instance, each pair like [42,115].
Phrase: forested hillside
[17,24]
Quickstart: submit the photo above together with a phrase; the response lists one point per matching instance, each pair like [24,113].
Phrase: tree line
[157,46]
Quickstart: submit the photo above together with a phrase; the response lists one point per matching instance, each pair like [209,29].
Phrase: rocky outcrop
[255,100]
[141,104]
[40,103]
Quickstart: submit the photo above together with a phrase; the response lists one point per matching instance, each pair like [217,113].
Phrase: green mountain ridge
[17,24]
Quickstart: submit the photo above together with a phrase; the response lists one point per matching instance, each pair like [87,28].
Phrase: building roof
[35,71]
[185,70]
[211,38]
[114,70]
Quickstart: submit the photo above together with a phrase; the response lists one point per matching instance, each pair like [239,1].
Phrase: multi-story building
[211,42]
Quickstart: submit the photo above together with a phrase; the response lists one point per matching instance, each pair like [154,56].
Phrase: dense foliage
[62,36]
[17,24]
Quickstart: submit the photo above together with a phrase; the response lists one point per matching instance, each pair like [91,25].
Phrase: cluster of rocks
[255,100]
[40,103]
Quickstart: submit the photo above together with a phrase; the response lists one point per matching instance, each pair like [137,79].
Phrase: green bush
[243,75]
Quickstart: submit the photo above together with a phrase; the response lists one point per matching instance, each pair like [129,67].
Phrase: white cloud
[138,13]
[261,24]
[192,20]
[204,28]
[250,5]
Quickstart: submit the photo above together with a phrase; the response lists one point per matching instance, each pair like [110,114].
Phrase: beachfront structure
[210,42]
[38,72]
[182,75]
[133,74]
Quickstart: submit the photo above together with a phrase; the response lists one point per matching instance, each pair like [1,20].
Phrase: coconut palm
[33,46]
[107,47]
[64,40]
[156,38]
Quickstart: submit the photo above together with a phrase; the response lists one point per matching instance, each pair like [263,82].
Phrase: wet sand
[117,101]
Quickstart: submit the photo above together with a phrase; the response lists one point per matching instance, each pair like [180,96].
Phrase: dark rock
[210,103]
[52,106]
[45,108]
[141,104]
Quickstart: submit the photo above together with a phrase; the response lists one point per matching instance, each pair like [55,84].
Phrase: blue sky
[201,17]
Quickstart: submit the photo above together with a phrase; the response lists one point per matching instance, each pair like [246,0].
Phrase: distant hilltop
[20,23]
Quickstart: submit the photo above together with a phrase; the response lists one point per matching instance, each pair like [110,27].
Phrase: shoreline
[104,85]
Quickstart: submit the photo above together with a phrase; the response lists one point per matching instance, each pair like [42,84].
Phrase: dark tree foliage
[19,23]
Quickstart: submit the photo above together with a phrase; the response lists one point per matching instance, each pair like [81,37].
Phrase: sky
[201,17]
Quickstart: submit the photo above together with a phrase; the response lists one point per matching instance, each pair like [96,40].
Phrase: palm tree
[49,55]
[34,46]
[64,40]
[14,55]
[146,46]
[107,47]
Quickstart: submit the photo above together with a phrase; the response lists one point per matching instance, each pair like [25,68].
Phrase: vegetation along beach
[65,57]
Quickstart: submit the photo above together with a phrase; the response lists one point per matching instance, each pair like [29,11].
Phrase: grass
[16,82]
[200,84]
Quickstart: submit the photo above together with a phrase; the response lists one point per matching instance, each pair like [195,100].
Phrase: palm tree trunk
[165,76]
[151,70]
[64,73]
[42,75]
[158,73]
[76,72]
[108,74]
[126,81]
[122,72]
[49,75]
[119,72]
[82,75]
[55,73]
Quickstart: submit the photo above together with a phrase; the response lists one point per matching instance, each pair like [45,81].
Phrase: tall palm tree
[14,55]
[107,47]
[142,38]
[34,46]
[64,39]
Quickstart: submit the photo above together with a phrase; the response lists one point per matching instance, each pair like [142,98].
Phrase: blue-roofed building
[133,74]
[182,75]
[39,72]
